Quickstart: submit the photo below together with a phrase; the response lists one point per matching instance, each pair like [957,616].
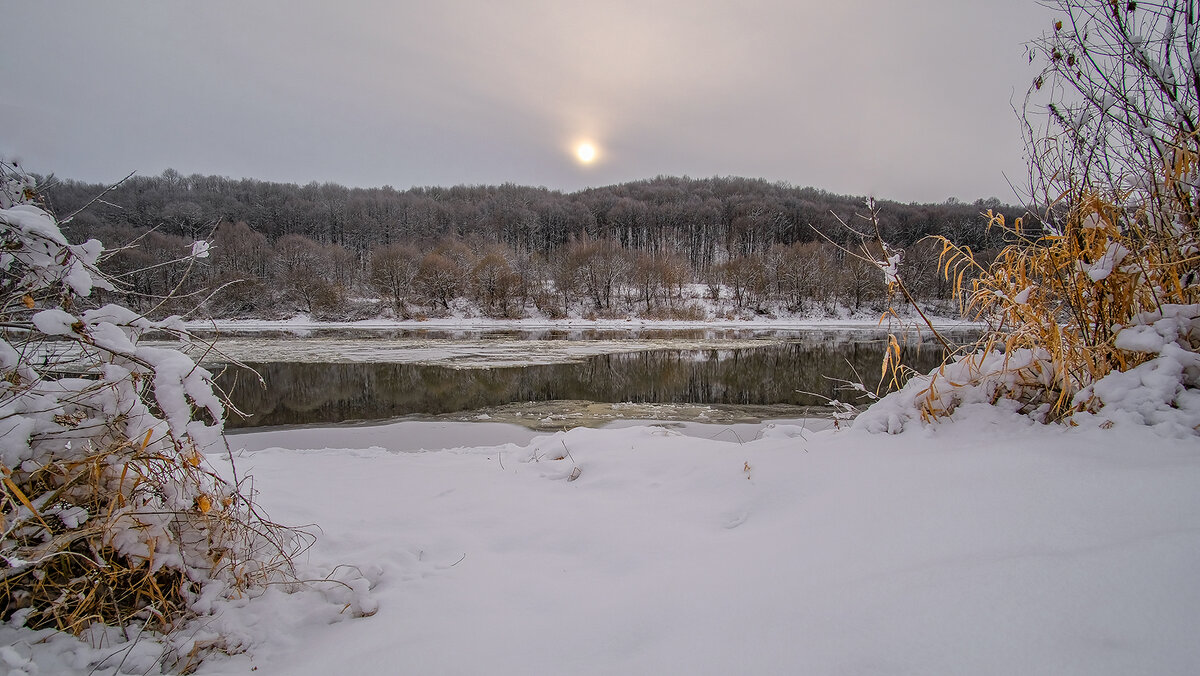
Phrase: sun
[586,152]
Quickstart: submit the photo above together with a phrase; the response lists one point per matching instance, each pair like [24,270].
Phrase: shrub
[109,511]
[1104,277]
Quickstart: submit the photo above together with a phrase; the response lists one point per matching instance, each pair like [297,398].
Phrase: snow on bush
[1091,307]
[1162,392]
[110,511]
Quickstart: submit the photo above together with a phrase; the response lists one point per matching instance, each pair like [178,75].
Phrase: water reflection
[800,372]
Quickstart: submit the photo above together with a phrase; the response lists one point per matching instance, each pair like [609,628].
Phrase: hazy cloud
[905,100]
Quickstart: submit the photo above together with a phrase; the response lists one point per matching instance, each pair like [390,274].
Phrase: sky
[911,101]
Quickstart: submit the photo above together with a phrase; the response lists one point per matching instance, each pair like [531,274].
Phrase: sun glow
[585,152]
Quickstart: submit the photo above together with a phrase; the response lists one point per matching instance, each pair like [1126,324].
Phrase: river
[552,379]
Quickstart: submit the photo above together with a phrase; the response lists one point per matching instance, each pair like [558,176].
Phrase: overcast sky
[903,100]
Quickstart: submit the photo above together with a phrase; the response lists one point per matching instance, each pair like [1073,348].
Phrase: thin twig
[95,199]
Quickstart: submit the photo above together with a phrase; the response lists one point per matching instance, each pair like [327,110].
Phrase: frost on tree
[110,511]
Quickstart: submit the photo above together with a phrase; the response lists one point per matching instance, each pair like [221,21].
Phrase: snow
[890,269]
[460,353]
[418,435]
[930,553]
[987,545]
[460,343]
[33,221]
[1154,393]
[404,436]
[54,322]
[1163,392]
[704,305]
[200,248]
[1104,266]
[39,247]
[969,380]
[473,343]
[1151,331]
[300,324]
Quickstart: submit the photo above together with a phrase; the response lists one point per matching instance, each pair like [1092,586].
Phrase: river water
[552,379]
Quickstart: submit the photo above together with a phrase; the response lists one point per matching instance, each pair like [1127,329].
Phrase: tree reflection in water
[784,373]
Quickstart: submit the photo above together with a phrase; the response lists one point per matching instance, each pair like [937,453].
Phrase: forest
[504,251]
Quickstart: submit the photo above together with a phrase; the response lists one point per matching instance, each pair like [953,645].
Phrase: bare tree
[392,271]
[645,278]
[438,279]
[859,281]
[802,273]
[493,283]
[598,266]
[1115,108]
[242,259]
[241,252]
[749,281]
[303,271]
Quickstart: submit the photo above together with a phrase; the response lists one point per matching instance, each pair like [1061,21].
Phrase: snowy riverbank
[984,545]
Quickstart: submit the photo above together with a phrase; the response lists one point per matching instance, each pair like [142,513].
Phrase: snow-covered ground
[422,435]
[984,545]
[989,546]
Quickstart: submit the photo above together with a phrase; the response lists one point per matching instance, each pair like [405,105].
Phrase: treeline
[336,251]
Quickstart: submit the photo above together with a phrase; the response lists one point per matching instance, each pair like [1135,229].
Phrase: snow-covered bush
[108,509]
[1092,308]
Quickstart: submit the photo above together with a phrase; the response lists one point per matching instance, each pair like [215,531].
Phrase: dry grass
[1065,294]
[1112,132]
[68,574]
[109,512]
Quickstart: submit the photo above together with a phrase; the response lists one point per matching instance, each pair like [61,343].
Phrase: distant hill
[507,250]
[738,215]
